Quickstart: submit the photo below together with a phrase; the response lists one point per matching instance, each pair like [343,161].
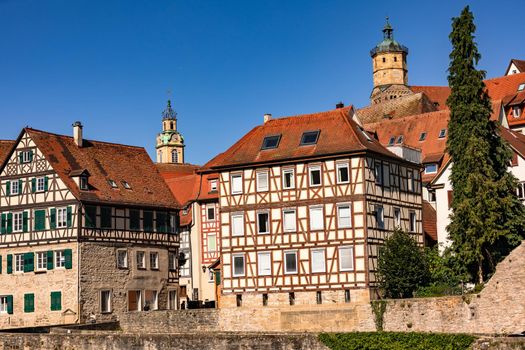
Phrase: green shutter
[21,157]
[56,301]
[68,254]
[10,304]
[33,185]
[8,188]
[31,156]
[0,264]
[217,277]
[53,218]
[40,220]
[25,217]
[46,183]
[9,222]
[50,260]
[29,302]
[3,224]
[9,263]
[20,186]
[69,212]
[29,262]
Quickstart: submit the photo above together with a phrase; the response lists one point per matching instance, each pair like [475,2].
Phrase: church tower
[389,61]
[170,143]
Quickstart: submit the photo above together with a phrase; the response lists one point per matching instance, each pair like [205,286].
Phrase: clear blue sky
[110,63]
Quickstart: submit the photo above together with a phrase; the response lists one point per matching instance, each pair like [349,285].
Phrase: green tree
[487,218]
[401,267]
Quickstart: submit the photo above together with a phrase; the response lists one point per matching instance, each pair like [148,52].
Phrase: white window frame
[60,259]
[41,261]
[61,217]
[264,270]
[380,217]
[18,221]
[214,240]
[19,263]
[212,207]
[410,181]
[261,186]
[3,304]
[106,309]
[292,178]
[14,188]
[40,184]
[213,185]
[397,217]
[286,270]
[313,253]
[267,212]
[172,261]
[238,216]
[351,249]
[172,299]
[154,260]
[339,217]
[83,183]
[339,166]
[243,273]
[412,218]
[516,111]
[311,169]
[141,263]
[124,264]
[433,171]
[289,211]
[233,180]
[139,299]
[26,156]
[378,172]
[313,211]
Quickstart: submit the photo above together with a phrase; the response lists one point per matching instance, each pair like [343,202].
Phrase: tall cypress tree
[487,218]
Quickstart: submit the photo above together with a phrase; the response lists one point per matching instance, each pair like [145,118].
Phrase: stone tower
[389,61]
[170,143]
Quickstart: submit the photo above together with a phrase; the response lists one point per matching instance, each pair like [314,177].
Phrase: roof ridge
[310,115]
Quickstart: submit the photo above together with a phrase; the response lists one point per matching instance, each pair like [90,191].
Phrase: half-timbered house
[88,231]
[305,202]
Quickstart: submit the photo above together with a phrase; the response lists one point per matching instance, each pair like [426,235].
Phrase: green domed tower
[170,143]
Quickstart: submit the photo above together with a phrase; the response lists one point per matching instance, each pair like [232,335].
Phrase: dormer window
[112,183]
[126,185]
[309,138]
[521,87]
[391,141]
[271,142]
[400,139]
[83,183]
[442,133]
[213,185]
[516,111]
[431,168]
[423,136]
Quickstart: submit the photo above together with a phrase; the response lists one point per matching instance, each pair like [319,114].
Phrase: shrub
[396,341]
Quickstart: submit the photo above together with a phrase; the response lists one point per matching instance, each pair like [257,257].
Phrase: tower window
[384,60]
[174,156]
[395,59]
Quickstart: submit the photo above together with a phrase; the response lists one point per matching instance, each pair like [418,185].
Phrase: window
[238,299]
[347,295]
[516,111]
[264,267]
[521,86]
[265,299]
[29,302]
[151,300]
[380,218]
[423,136]
[147,221]
[270,142]
[213,185]
[392,140]
[83,183]
[237,224]
[105,217]
[342,173]
[172,300]
[18,221]
[315,175]
[346,258]
[344,219]
[122,259]
[56,301]
[61,217]
[431,168]
[262,181]
[291,298]
[288,179]
[263,222]
[410,180]
[412,216]
[134,300]
[26,156]
[290,262]
[319,297]
[397,217]
[442,133]
[236,183]
[112,183]
[210,212]
[212,243]
[378,171]
[316,218]
[174,156]
[400,139]
[238,265]
[19,262]
[318,260]
[41,261]
[431,196]
[16,187]
[126,185]
[289,220]
[60,259]
[40,184]
[520,191]
[172,261]
[3,305]
[90,219]
[134,219]
[309,138]
[141,260]
[154,260]
[105,301]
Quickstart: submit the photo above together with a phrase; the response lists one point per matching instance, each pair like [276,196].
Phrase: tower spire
[388,31]
[169,112]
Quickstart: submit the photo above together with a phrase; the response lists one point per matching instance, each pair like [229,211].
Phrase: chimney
[339,105]
[267,117]
[77,133]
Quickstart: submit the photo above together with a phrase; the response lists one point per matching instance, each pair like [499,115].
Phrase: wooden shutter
[450,195]
[20,186]
[8,188]
[69,214]
[3,224]
[29,262]
[33,185]
[31,156]
[50,260]
[0,264]
[9,222]
[68,254]
[53,218]
[40,220]
[56,301]
[9,263]
[46,183]
[25,216]
[10,304]
[21,157]
[29,302]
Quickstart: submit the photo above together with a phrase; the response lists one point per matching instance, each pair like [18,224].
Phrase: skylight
[400,139]
[309,137]
[423,136]
[126,185]
[112,183]
[442,133]
[270,142]
[521,87]
[391,141]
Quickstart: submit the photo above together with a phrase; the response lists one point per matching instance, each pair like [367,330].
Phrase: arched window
[160,156]
[174,156]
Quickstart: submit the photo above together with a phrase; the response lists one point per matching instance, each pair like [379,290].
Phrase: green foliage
[401,266]
[443,278]
[379,309]
[487,218]
[396,341]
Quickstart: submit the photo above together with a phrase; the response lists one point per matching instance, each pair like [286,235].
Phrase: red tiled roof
[515,139]
[397,108]
[104,161]
[170,170]
[186,216]
[5,149]
[339,134]
[429,221]
[501,87]
[436,94]
[184,188]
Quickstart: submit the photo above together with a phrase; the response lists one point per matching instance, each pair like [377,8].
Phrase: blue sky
[110,63]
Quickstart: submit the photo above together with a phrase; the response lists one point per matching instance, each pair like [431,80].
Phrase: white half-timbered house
[88,231]
[305,202]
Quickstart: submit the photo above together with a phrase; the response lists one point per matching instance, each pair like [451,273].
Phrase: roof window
[442,133]
[309,137]
[423,136]
[270,142]
[521,87]
[112,183]
[391,141]
[400,139]
[365,134]
[126,185]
